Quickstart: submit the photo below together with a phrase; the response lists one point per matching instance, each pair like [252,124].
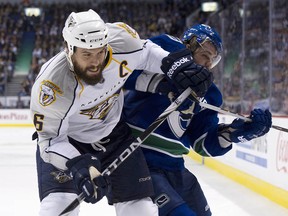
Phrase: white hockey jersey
[62,105]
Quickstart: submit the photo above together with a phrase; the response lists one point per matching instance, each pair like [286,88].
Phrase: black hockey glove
[84,168]
[164,87]
[183,72]
[241,131]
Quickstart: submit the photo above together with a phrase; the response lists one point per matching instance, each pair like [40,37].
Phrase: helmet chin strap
[69,58]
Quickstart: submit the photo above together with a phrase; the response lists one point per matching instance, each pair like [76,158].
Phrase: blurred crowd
[255,71]
[10,38]
[152,18]
[250,51]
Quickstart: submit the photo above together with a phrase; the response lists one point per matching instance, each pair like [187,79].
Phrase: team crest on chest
[48,92]
[101,110]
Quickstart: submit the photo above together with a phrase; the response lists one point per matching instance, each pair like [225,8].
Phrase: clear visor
[214,59]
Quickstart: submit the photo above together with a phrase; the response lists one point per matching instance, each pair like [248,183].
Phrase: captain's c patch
[48,92]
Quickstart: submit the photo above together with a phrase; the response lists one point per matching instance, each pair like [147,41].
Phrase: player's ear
[193,44]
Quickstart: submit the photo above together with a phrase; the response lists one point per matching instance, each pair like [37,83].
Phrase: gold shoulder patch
[127,28]
[48,92]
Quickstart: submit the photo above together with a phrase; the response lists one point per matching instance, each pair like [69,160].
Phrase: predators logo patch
[48,93]
[71,22]
[61,177]
[101,110]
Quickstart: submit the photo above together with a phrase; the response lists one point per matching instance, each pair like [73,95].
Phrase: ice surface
[19,192]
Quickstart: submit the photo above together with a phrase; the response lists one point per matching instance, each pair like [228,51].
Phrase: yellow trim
[276,194]
[128,29]
[17,125]
[52,85]
[110,52]
[81,84]
[118,62]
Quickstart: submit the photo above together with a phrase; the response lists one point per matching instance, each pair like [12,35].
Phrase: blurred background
[254,67]
[253,73]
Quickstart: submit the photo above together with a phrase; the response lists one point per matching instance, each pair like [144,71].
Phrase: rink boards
[261,164]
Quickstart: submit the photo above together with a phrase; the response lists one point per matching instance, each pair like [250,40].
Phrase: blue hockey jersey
[165,147]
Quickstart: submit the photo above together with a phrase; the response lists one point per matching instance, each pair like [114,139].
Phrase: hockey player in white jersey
[76,105]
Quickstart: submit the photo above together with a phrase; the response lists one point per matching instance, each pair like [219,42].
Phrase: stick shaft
[227,112]
[133,146]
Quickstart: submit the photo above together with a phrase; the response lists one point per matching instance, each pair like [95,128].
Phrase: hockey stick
[133,146]
[227,112]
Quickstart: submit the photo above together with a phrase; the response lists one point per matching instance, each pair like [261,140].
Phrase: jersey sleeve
[202,132]
[124,39]
[49,107]
[145,80]
[152,56]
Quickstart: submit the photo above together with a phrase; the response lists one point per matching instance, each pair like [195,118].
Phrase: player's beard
[82,73]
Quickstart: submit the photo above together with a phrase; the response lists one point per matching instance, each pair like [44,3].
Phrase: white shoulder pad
[51,93]
[123,38]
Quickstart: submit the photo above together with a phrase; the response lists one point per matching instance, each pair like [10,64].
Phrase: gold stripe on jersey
[82,86]
[127,28]
[122,65]
[109,57]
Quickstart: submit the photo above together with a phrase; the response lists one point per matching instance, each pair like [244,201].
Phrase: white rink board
[265,158]
[16,117]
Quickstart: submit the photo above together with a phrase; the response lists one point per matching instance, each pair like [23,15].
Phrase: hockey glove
[165,87]
[87,178]
[241,131]
[183,72]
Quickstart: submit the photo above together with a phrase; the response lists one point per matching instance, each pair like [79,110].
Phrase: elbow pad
[224,132]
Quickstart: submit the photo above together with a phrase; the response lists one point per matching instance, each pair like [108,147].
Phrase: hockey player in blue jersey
[177,191]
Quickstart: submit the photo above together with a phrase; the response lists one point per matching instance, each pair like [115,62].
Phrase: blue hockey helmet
[203,33]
